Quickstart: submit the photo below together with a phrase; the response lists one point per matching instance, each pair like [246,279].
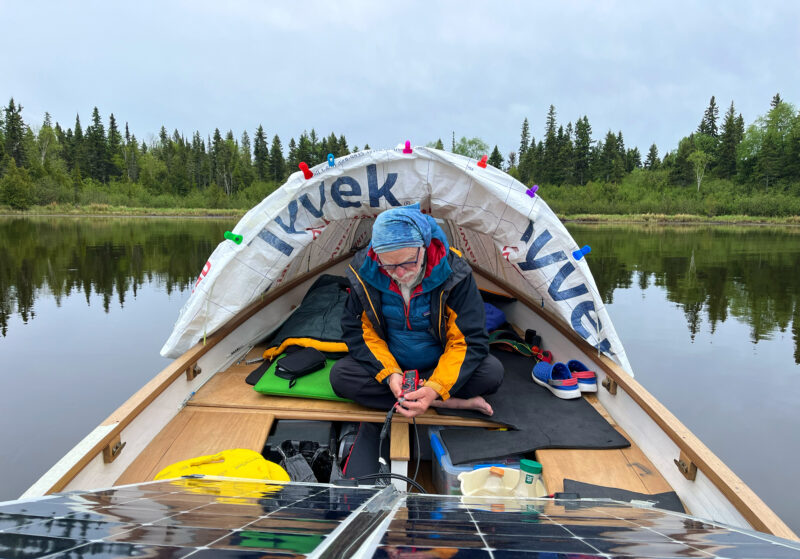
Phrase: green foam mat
[317,385]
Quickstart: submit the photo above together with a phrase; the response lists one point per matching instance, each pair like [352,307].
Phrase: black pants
[350,380]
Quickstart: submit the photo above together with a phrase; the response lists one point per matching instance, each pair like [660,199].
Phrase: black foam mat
[538,418]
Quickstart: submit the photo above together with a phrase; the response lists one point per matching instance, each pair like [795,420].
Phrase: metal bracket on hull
[686,466]
[193,371]
[611,385]
[112,450]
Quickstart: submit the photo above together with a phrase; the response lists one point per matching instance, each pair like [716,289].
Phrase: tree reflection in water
[712,272]
[59,256]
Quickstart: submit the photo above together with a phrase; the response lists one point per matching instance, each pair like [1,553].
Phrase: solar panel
[170,519]
[456,527]
[206,517]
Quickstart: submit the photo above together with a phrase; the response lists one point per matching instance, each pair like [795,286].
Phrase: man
[414,304]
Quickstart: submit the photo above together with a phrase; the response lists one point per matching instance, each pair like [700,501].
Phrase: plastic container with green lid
[530,482]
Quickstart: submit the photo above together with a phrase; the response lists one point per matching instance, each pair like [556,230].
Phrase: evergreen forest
[723,167]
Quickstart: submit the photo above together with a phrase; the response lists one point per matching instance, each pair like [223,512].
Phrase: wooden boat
[200,404]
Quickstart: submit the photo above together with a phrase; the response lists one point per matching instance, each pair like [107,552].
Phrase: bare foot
[476,403]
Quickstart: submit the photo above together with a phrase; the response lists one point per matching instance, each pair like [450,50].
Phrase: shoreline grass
[108,210]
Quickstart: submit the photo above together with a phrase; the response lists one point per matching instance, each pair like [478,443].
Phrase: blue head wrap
[400,228]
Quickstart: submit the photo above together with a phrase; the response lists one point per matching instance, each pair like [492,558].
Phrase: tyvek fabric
[487,213]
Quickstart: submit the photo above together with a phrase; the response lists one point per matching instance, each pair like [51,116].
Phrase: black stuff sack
[299,364]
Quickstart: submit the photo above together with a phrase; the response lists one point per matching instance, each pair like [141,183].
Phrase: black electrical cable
[416,437]
[393,476]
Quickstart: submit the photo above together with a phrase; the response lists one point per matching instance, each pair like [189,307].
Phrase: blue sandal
[557,378]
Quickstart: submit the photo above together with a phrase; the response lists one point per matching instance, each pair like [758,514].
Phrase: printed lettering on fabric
[584,308]
[344,192]
[203,274]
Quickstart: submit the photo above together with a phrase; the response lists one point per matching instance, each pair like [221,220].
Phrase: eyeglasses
[405,265]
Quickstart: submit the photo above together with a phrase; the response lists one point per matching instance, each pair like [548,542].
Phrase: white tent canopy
[307,222]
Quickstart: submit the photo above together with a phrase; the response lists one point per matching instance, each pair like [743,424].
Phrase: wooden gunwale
[744,499]
[128,411]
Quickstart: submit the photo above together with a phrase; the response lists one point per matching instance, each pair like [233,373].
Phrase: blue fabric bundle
[400,228]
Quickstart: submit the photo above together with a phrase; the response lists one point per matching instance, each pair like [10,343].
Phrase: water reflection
[56,257]
[712,272]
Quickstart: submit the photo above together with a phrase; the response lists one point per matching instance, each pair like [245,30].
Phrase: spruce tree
[525,138]
[14,134]
[633,160]
[708,125]
[313,149]
[96,148]
[78,148]
[729,141]
[791,165]
[776,100]
[261,154]
[582,150]
[215,153]
[652,161]
[132,155]
[116,159]
[292,161]
[329,145]
[246,171]
[439,144]
[609,157]
[495,159]
[564,160]
[549,161]
[528,165]
[277,164]
[341,147]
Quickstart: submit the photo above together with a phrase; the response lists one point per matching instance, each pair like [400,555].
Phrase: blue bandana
[400,228]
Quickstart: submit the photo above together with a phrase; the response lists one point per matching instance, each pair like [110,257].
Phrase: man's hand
[416,402]
[396,384]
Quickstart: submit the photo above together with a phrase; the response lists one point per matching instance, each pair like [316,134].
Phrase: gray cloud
[382,73]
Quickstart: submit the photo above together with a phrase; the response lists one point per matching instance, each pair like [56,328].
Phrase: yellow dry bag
[239,462]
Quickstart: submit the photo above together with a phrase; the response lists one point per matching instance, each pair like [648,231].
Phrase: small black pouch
[299,364]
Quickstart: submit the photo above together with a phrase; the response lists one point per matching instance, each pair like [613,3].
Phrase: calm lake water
[710,318]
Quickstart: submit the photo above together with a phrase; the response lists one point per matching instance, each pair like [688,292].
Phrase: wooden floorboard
[227,391]
[198,432]
[624,468]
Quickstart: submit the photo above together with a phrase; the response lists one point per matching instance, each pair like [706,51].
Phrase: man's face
[403,265]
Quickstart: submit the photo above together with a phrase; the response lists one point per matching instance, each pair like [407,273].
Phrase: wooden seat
[624,468]
[228,389]
[199,432]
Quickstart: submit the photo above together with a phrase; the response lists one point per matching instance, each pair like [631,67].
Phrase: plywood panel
[198,432]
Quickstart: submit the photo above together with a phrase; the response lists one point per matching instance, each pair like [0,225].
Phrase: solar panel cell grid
[241,520]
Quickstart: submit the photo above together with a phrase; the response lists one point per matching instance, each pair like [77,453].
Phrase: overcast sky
[384,72]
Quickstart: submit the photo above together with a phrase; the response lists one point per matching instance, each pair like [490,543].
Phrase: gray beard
[407,285]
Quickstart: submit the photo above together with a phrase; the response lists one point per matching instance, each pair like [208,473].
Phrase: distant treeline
[721,168]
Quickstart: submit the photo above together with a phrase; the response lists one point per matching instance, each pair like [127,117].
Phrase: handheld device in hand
[410,381]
